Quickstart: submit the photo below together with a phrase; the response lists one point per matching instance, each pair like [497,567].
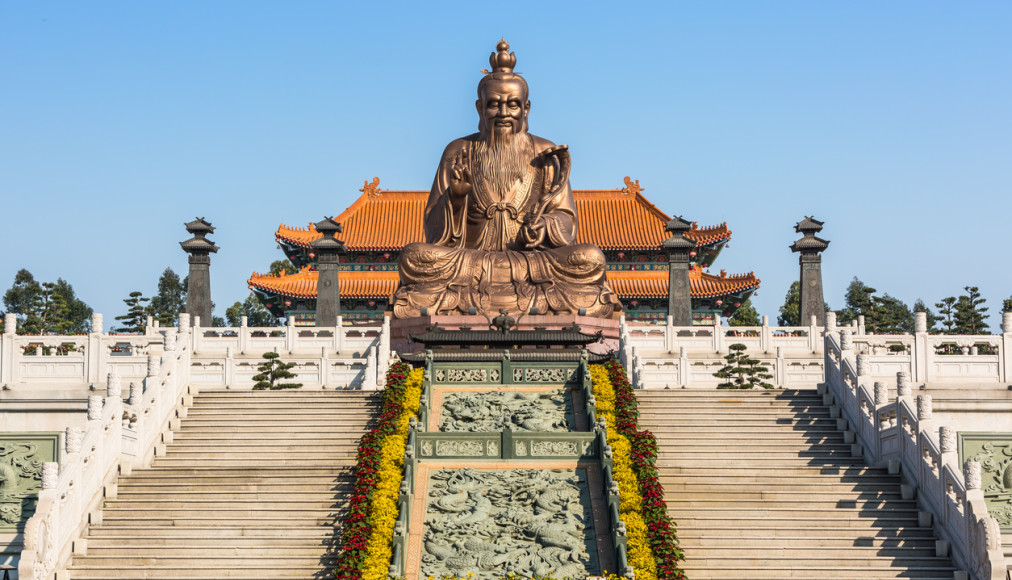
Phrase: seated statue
[500,222]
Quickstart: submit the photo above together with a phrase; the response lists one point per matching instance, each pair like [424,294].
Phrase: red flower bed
[356,524]
[660,528]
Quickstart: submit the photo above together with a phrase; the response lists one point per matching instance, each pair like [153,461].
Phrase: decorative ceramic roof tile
[625,283]
[611,219]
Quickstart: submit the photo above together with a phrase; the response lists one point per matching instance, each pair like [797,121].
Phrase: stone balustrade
[899,432]
[325,357]
[73,490]
[660,356]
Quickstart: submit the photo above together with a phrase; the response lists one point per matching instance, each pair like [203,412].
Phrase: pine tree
[136,316]
[858,301]
[745,315]
[255,312]
[742,371]
[170,300]
[889,316]
[273,370]
[790,312]
[946,313]
[970,312]
[46,308]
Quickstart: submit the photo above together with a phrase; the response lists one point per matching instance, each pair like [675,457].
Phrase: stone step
[813,571]
[186,463]
[235,502]
[145,531]
[197,510]
[764,540]
[210,520]
[772,463]
[251,473]
[793,496]
[200,539]
[215,550]
[194,572]
[173,489]
[919,555]
[259,455]
[705,522]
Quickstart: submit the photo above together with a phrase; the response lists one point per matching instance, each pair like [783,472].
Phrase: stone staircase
[764,485]
[254,484]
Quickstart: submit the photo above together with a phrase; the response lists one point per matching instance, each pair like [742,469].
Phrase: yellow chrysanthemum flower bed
[391,471]
[639,554]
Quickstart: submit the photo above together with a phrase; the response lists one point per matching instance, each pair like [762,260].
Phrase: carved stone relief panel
[21,459]
[492,411]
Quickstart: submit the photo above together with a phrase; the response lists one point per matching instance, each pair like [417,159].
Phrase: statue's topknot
[501,61]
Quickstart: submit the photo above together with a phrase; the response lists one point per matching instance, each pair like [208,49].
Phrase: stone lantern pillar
[198,291]
[677,247]
[811,247]
[328,251]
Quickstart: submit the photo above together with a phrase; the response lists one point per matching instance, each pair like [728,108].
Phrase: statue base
[401,329]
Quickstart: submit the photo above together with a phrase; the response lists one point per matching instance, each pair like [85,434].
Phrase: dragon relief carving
[20,478]
[493,411]
[497,522]
[996,470]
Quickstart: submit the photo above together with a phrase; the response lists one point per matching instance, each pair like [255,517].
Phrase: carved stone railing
[674,357]
[325,357]
[72,491]
[896,432]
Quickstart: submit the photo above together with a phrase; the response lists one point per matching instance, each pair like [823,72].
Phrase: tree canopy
[47,307]
[255,312]
[745,315]
[170,300]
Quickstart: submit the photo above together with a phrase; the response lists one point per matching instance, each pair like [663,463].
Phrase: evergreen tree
[745,315]
[273,370]
[919,306]
[970,312]
[790,312]
[889,316]
[742,371]
[946,314]
[1006,304]
[170,300]
[137,313]
[256,314]
[858,301]
[46,308]
[282,267]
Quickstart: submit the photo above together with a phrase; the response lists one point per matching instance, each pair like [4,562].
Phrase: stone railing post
[383,358]
[243,334]
[814,338]
[324,367]
[947,442]
[369,378]
[683,366]
[290,335]
[718,336]
[114,385]
[229,367]
[830,322]
[196,335]
[765,335]
[860,324]
[95,357]
[7,352]
[920,352]
[881,394]
[669,333]
[169,340]
[863,366]
[339,333]
[925,413]
[154,364]
[781,372]
[903,391]
[1006,347]
[846,340]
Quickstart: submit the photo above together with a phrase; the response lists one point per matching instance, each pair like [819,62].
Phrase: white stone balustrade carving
[926,455]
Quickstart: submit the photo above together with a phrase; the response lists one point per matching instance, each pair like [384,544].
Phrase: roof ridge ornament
[371,189]
[632,187]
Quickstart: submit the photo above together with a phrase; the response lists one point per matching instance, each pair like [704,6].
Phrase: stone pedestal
[401,329]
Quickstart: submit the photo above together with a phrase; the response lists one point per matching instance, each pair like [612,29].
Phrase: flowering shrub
[368,530]
[650,535]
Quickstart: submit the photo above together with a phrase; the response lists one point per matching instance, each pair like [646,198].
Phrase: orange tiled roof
[355,284]
[610,219]
[625,283]
[654,283]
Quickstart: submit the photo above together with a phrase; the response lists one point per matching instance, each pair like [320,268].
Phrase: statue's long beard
[501,160]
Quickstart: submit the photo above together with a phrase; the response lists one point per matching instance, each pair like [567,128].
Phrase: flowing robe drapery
[476,257]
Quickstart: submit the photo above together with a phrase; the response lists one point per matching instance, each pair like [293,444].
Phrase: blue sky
[890,121]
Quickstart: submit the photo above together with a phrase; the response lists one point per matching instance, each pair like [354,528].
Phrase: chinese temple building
[623,223]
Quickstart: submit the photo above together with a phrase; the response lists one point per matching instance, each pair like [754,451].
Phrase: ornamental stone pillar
[328,253]
[677,248]
[810,247]
[198,292]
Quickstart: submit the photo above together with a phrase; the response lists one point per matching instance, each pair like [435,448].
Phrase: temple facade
[622,222]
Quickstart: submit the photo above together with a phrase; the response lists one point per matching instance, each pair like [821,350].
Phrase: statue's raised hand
[460,177]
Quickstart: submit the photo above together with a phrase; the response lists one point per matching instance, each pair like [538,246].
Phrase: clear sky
[890,121]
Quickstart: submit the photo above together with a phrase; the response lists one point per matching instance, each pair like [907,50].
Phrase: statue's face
[503,107]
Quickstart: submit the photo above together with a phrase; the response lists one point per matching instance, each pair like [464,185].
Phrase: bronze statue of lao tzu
[500,223]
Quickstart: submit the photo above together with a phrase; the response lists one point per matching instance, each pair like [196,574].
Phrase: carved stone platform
[402,329]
